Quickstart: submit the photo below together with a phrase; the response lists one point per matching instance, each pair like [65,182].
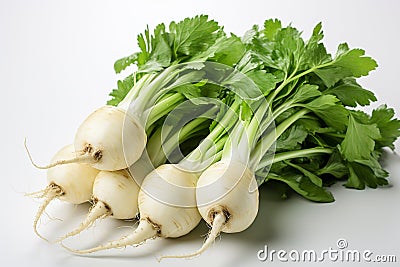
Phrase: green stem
[134,92]
[154,145]
[301,74]
[267,141]
[339,135]
[163,107]
[254,129]
[293,154]
[149,88]
[224,125]
[217,157]
[293,77]
[189,128]
[158,152]
[219,145]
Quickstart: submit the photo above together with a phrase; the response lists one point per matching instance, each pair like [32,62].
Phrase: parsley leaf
[193,35]
[313,178]
[389,127]
[303,186]
[159,55]
[332,74]
[347,63]
[266,82]
[327,108]
[306,92]
[122,90]
[354,60]
[361,175]
[271,27]
[359,141]
[351,93]
[335,166]
[124,62]
[291,139]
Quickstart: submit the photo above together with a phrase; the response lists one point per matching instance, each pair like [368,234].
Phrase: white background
[56,66]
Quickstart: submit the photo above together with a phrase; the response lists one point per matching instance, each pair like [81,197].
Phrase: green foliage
[294,75]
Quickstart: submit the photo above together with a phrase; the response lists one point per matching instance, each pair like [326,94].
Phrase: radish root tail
[84,158]
[143,232]
[218,223]
[51,192]
[99,210]
[37,194]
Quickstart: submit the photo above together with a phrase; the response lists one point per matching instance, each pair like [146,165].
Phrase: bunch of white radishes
[206,118]
[114,164]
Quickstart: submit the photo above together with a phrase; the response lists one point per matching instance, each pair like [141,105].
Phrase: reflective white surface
[56,66]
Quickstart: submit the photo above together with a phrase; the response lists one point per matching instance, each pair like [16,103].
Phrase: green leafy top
[192,39]
[320,137]
[323,86]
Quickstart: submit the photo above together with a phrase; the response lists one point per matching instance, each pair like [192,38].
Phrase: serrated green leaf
[322,102]
[246,113]
[122,63]
[316,55]
[317,35]
[160,55]
[327,108]
[313,178]
[335,166]
[123,87]
[284,53]
[306,92]
[361,175]
[353,180]
[271,27]
[225,50]
[291,139]
[303,186]
[189,90]
[332,74]
[373,163]
[351,93]
[315,52]
[354,60]
[266,82]
[359,141]
[194,35]
[389,126]
[229,51]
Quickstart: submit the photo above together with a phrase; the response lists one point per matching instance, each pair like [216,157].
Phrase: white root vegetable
[227,199]
[115,194]
[114,138]
[167,206]
[72,183]
[102,136]
[101,140]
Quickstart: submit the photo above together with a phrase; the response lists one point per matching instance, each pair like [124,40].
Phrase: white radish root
[115,194]
[72,183]
[84,158]
[115,139]
[143,232]
[217,225]
[99,210]
[161,214]
[109,139]
[227,199]
[50,193]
